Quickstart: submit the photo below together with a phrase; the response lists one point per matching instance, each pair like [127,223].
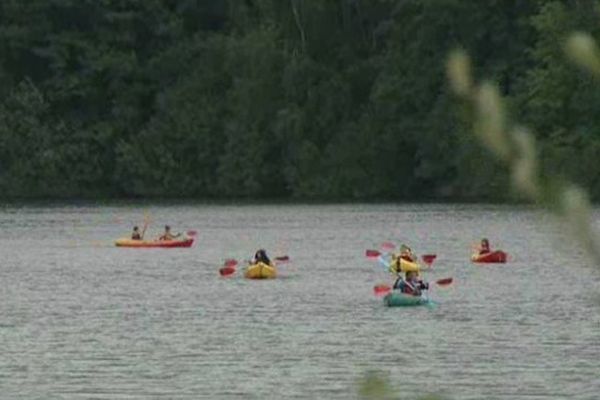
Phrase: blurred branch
[515,146]
[583,51]
[299,24]
[375,387]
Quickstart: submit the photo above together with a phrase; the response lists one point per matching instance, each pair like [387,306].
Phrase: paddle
[388,246]
[383,289]
[444,282]
[146,223]
[227,271]
[233,261]
[228,268]
[428,258]
[230,262]
[191,233]
[229,265]
[372,253]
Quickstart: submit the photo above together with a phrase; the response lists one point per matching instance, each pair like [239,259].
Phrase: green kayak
[404,300]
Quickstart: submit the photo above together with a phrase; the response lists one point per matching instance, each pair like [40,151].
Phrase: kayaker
[484,247]
[136,235]
[261,256]
[407,254]
[411,284]
[168,235]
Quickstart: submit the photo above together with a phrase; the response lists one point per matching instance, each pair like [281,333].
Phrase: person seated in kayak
[136,235]
[484,247]
[407,254]
[168,235]
[411,284]
[261,256]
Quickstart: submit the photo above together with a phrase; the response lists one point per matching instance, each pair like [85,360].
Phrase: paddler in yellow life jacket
[405,254]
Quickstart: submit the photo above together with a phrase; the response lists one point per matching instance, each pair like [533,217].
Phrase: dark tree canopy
[320,99]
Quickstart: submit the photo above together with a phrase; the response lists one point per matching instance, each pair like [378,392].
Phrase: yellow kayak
[261,271]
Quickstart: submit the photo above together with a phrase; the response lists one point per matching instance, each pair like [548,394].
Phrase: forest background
[300,99]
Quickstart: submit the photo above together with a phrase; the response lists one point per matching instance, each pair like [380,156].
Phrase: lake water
[81,319]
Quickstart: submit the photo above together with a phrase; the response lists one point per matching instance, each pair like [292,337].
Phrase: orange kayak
[169,244]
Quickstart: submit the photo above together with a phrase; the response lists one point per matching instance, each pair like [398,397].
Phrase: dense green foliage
[336,99]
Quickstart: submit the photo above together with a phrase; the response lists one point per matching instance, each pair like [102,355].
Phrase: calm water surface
[81,319]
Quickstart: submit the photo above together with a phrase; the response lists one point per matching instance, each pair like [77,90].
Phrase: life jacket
[136,236]
[407,257]
[395,266]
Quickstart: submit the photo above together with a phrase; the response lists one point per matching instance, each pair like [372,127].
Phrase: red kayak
[497,256]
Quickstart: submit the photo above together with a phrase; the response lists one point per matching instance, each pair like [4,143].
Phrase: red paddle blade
[381,290]
[230,262]
[191,233]
[388,246]
[428,258]
[282,258]
[445,281]
[372,253]
[227,271]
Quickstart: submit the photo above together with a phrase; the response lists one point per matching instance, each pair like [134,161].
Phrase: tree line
[304,99]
